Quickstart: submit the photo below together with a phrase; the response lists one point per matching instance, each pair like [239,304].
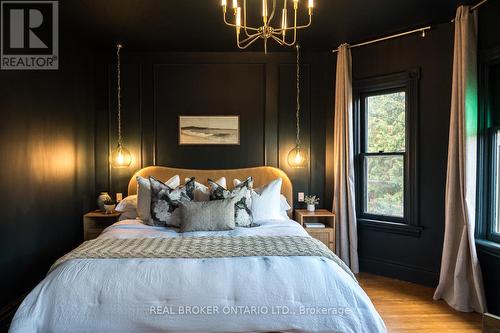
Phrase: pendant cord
[119,93]
[297,114]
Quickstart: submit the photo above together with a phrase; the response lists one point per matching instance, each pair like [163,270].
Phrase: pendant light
[120,156]
[297,157]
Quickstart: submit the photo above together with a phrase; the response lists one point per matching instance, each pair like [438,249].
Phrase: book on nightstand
[313,225]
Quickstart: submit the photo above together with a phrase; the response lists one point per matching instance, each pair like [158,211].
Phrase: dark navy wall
[46,153]
[260,88]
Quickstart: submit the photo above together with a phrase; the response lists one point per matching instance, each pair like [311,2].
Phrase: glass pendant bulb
[121,157]
[297,157]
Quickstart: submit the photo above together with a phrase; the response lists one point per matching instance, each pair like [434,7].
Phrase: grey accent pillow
[242,194]
[215,215]
[165,201]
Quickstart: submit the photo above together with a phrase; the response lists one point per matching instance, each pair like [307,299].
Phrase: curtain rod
[422,30]
[478,4]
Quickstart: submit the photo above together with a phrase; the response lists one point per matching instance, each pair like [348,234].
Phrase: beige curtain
[343,165]
[460,281]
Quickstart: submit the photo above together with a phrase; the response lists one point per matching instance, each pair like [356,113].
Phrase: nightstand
[325,235]
[96,221]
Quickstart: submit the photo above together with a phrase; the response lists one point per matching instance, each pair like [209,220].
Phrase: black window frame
[493,197]
[407,82]
[485,238]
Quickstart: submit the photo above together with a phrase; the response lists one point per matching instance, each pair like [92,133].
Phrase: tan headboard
[261,175]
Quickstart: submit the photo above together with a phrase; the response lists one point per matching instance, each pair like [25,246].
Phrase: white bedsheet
[250,294]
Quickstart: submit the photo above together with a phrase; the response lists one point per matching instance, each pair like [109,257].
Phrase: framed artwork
[209,130]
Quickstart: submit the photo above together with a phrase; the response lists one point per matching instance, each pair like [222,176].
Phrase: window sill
[488,247]
[390,227]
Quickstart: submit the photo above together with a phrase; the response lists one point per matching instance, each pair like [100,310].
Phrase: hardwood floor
[407,307]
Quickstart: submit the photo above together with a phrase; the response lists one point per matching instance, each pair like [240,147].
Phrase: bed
[257,293]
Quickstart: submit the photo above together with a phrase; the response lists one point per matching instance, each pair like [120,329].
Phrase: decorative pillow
[128,204]
[242,195]
[284,206]
[215,215]
[202,192]
[266,204]
[144,196]
[165,201]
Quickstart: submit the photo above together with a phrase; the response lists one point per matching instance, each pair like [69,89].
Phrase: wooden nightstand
[325,235]
[95,222]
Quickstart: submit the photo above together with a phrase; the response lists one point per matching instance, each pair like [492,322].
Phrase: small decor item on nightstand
[101,199]
[311,201]
[109,206]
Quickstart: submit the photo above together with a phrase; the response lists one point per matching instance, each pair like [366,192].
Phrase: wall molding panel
[158,87]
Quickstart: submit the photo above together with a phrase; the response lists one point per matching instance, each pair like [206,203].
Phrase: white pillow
[130,215]
[144,196]
[266,205]
[284,206]
[128,204]
[202,192]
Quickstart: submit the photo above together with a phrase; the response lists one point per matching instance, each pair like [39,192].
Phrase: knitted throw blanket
[201,247]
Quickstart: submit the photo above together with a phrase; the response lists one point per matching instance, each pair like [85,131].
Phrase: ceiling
[196,25]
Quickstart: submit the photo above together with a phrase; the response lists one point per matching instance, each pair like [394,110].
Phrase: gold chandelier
[266,31]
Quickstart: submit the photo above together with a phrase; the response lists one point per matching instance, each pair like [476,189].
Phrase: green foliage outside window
[385,174]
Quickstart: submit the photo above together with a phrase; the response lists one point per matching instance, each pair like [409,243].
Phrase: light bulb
[310,4]
[235,4]
[224,3]
[283,21]
[297,157]
[120,157]
[238,21]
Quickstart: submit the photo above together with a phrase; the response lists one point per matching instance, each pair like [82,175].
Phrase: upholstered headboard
[261,175]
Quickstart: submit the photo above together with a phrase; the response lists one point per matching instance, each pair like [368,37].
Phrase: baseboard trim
[399,271]
[491,323]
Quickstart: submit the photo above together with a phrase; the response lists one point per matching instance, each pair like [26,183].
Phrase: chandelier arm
[277,39]
[235,26]
[280,30]
[294,31]
[245,18]
[272,13]
[294,39]
[240,44]
[256,35]
[307,25]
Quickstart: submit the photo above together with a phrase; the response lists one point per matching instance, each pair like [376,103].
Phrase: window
[384,154]
[385,135]
[494,226]
[487,229]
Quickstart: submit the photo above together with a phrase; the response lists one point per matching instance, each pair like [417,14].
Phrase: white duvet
[248,294]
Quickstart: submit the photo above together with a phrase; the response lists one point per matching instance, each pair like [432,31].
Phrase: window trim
[491,235]
[407,81]
[487,59]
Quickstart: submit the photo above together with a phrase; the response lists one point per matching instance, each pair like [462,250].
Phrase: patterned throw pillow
[242,195]
[165,201]
[202,192]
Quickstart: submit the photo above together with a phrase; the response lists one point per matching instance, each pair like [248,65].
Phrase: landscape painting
[209,130]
